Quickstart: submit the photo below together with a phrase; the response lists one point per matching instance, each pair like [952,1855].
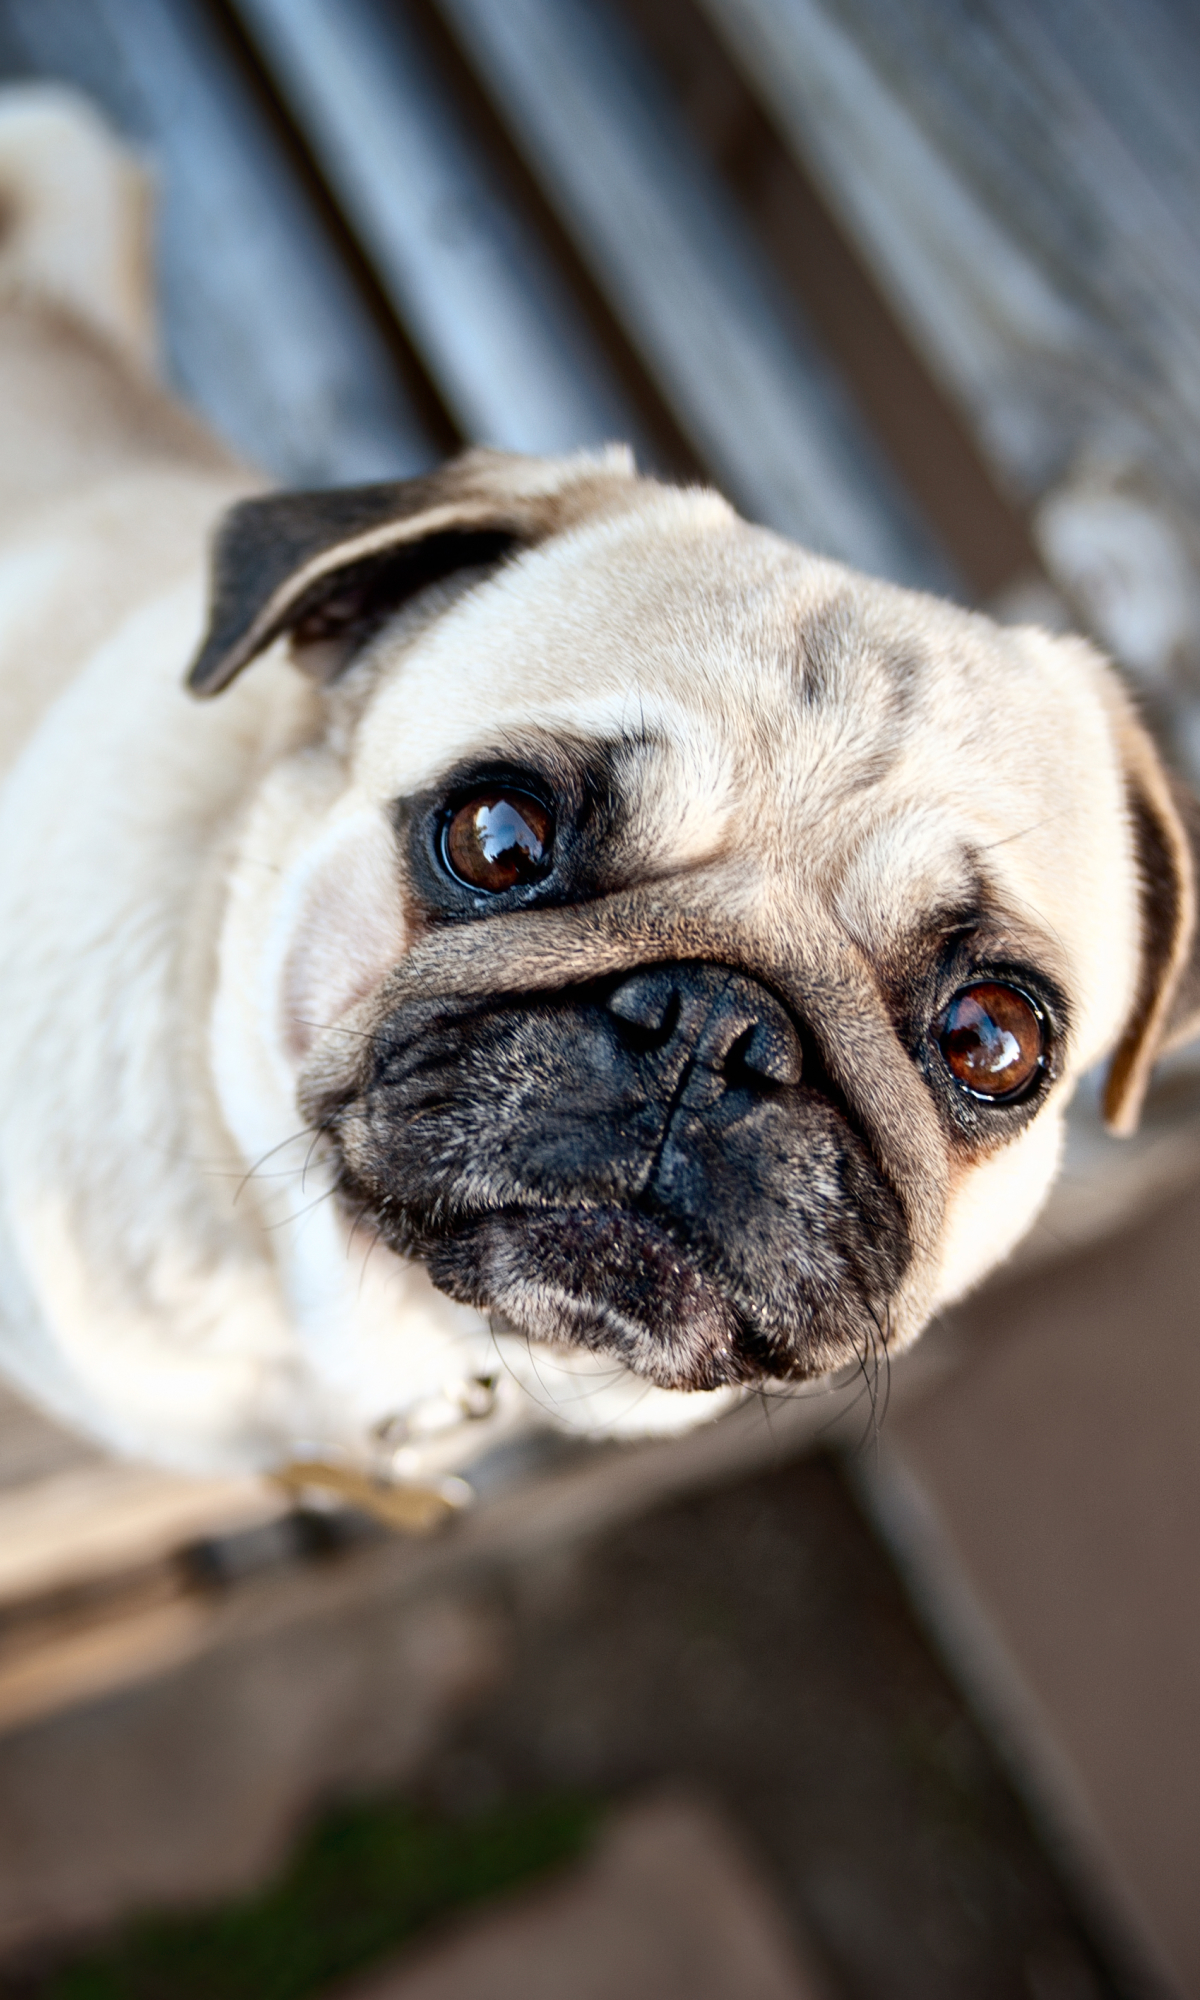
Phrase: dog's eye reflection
[497,840]
[992,1039]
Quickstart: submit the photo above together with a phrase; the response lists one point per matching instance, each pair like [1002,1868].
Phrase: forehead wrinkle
[835,750]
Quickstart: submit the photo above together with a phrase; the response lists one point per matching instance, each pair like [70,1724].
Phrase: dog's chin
[606,1279]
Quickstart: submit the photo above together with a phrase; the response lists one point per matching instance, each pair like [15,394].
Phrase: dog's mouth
[648,1172]
[606,1279]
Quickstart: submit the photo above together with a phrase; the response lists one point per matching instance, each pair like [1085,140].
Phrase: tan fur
[206,915]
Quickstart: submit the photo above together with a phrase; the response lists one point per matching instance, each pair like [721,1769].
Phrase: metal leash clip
[393,1488]
[412,1507]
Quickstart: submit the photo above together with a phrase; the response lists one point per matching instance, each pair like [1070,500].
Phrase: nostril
[770,1050]
[733,1028]
[649,1003]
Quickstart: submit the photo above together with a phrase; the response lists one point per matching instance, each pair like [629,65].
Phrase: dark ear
[335,562]
[1166,1013]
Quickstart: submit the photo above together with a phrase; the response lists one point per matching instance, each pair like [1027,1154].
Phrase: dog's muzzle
[656,1168]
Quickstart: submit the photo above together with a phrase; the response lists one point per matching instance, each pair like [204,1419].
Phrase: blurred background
[889,1691]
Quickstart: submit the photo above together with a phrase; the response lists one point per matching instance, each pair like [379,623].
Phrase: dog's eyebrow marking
[836,645]
[821,646]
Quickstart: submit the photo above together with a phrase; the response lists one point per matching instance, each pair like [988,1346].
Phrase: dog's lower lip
[599,1277]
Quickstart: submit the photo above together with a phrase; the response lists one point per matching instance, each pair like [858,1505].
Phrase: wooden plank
[98,1520]
[493,323]
[266,331]
[100,1658]
[1026,186]
[974,300]
[745,382]
[928,443]
[1012,185]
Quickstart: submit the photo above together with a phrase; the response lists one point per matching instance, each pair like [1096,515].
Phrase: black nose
[721,1019]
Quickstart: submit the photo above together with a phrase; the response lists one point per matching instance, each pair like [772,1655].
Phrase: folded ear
[334,563]
[1166,1013]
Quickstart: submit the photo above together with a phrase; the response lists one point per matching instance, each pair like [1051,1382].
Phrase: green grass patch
[369,1878]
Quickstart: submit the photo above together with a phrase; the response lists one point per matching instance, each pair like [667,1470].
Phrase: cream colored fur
[194,897]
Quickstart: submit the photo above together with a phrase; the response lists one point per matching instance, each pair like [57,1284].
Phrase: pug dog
[516,945]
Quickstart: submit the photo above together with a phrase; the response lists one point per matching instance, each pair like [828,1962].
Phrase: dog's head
[687,945]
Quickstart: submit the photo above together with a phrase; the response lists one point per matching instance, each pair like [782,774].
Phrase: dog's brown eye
[992,1039]
[497,840]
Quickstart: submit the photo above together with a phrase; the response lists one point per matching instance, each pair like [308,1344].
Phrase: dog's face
[686,945]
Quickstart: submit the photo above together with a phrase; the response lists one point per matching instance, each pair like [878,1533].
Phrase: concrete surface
[667,1908]
[191,1786]
[1047,1499]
